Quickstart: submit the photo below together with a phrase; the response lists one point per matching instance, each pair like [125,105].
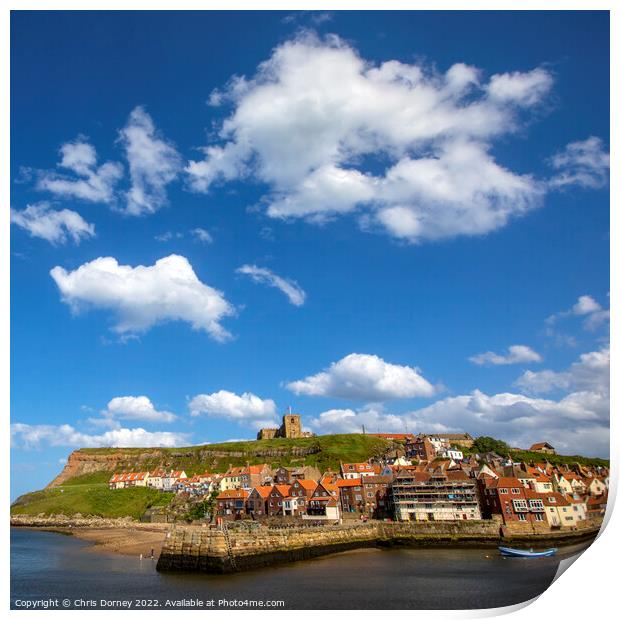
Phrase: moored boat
[524,553]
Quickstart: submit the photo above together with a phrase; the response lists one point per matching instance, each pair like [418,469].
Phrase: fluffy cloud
[576,423]
[153,163]
[246,408]
[136,408]
[312,113]
[364,377]
[523,88]
[34,436]
[144,296]
[290,288]
[372,419]
[93,183]
[584,163]
[587,307]
[57,227]
[590,373]
[517,354]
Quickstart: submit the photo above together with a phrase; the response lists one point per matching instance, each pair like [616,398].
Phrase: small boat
[523,553]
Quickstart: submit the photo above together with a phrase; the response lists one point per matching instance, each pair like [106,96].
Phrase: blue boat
[521,553]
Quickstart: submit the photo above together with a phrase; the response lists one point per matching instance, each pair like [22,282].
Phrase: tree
[489,444]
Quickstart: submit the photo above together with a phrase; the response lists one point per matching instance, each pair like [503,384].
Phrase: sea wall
[213,550]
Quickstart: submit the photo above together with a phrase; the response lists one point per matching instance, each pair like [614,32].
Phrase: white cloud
[584,163]
[523,88]
[246,408]
[312,113]
[166,236]
[290,288]
[94,184]
[371,419]
[202,235]
[587,307]
[364,377]
[576,423]
[517,354]
[34,436]
[143,296]
[57,227]
[590,373]
[136,408]
[153,163]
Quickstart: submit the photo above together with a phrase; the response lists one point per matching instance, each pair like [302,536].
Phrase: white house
[171,478]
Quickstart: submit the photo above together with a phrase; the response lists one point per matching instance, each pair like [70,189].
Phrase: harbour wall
[213,550]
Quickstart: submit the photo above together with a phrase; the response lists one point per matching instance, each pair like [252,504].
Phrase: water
[46,566]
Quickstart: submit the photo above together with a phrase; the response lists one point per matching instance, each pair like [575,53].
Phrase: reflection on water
[48,565]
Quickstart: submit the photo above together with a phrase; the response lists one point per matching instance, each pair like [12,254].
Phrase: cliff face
[81,462]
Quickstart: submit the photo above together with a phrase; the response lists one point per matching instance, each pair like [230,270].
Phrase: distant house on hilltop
[544,447]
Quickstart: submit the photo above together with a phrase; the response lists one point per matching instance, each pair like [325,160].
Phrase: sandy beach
[129,541]
[108,535]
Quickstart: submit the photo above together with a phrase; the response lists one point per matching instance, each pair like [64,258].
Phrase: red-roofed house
[257,502]
[129,479]
[351,497]
[231,503]
[275,500]
[255,475]
[543,447]
[356,470]
[506,496]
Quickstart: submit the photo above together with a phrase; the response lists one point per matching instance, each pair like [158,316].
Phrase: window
[522,517]
[538,517]
[551,500]
[516,491]
[536,504]
[503,491]
[520,505]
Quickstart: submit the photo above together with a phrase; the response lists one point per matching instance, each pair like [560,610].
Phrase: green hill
[90,500]
[82,485]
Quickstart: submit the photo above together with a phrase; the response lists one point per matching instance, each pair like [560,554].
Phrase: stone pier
[212,550]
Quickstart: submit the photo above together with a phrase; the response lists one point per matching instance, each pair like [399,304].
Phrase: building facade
[440,496]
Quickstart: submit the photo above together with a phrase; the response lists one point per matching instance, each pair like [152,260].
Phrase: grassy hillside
[326,452]
[88,493]
[90,500]
[528,456]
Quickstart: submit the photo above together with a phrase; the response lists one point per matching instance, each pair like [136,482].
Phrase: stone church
[290,428]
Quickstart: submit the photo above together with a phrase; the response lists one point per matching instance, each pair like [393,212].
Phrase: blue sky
[358,218]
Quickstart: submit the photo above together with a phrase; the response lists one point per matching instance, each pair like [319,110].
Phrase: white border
[587,589]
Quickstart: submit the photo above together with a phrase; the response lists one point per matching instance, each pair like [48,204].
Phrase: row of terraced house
[529,496]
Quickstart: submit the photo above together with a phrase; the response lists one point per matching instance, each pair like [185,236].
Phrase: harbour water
[60,571]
